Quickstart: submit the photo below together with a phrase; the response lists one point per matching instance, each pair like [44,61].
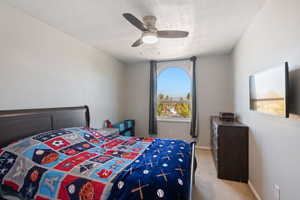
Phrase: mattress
[85,164]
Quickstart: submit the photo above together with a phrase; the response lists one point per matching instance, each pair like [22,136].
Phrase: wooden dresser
[229,143]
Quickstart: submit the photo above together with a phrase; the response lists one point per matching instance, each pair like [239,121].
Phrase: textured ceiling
[214,25]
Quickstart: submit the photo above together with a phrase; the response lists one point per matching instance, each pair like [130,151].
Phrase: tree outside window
[174,94]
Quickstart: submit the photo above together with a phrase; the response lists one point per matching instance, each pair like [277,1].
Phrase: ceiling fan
[150,34]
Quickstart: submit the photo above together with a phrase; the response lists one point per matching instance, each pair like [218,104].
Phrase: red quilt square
[70,163]
[112,143]
[104,173]
[122,154]
[11,184]
[57,143]
[41,198]
[77,188]
[130,155]
[148,139]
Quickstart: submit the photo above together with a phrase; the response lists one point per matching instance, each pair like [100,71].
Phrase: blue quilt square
[44,155]
[49,183]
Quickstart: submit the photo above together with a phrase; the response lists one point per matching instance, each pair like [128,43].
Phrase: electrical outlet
[276,192]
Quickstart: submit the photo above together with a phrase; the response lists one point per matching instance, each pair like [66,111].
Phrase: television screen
[268,91]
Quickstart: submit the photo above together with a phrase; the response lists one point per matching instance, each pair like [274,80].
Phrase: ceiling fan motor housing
[150,21]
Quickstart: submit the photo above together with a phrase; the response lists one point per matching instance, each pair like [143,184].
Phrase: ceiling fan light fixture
[149,38]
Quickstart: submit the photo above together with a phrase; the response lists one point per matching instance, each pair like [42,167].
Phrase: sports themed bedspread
[84,164]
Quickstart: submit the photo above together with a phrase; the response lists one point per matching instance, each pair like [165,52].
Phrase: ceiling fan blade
[137,43]
[135,21]
[172,34]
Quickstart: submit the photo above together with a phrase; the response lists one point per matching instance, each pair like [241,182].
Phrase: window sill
[174,120]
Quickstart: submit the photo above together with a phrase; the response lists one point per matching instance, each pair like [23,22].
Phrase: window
[173,94]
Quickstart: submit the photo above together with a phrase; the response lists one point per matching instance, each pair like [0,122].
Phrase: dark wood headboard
[17,124]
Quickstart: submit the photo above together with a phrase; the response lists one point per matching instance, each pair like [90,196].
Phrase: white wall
[215,95]
[215,88]
[173,129]
[137,83]
[274,142]
[43,67]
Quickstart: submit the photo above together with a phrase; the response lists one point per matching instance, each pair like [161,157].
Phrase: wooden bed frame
[18,124]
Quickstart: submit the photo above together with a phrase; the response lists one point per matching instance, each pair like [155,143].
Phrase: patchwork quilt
[67,164]
[85,164]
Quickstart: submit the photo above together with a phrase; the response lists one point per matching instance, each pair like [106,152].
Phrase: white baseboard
[254,191]
[203,147]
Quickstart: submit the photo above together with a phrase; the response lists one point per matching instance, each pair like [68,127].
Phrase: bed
[54,154]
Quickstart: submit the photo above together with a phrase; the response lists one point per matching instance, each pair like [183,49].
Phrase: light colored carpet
[209,187]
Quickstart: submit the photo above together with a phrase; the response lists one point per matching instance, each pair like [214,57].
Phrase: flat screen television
[269,91]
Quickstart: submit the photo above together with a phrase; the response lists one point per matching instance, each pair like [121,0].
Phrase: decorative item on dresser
[226,116]
[229,144]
